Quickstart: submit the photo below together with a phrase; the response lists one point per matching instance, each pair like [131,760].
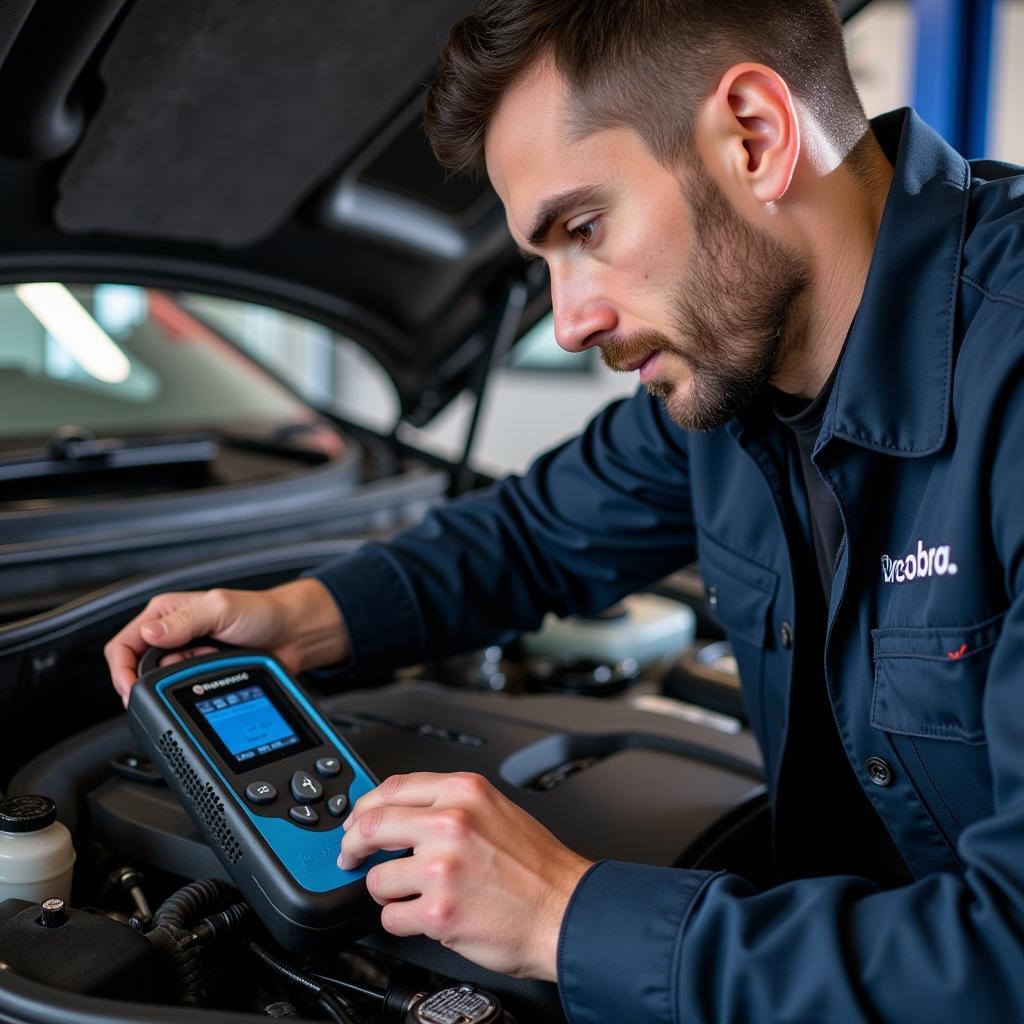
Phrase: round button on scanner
[303,814]
[260,793]
[879,771]
[305,788]
[328,767]
[337,805]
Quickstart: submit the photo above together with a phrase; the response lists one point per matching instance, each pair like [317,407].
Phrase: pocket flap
[930,681]
[741,591]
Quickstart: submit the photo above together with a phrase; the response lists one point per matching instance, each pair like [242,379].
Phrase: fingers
[207,613]
[482,876]
[169,620]
[394,880]
[299,622]
[422,789]
[434,915]
[412,904]
[124,650]
[397,828]
[404,918]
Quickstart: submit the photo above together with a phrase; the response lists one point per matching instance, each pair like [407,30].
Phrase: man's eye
[583,234]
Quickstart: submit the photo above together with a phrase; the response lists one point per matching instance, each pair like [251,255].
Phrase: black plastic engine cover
[607,779]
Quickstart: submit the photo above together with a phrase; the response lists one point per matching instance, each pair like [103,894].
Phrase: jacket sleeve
[648,944]
[590,522]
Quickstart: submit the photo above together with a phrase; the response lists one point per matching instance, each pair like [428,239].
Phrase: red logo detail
[957,654]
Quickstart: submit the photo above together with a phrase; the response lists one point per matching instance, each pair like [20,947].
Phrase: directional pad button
[303,814]
[260,792]
[306,788]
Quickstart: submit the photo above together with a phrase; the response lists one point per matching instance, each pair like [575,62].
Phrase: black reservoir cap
[26,813]
[53,914]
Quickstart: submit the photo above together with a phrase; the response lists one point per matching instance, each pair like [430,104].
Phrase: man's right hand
[298,622]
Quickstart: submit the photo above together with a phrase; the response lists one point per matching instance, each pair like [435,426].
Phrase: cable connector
[219,926]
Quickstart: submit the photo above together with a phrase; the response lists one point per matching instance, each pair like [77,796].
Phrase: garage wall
[1006,124]
[880,48]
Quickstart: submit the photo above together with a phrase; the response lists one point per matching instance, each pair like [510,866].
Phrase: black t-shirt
[850,836]
[803,418]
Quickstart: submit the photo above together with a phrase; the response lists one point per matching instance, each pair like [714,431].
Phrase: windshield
[129,361]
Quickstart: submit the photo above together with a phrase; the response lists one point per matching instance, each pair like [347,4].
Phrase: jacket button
[786,635]
[712,596]
[879,771]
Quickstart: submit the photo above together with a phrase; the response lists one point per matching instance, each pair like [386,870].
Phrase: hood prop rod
[500,334]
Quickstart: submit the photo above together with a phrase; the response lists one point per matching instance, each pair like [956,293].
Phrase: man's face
[651,265]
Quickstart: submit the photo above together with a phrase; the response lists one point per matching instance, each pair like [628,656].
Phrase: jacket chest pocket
[739,595]
[928,696]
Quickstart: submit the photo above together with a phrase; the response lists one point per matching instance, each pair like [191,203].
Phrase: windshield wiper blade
[76,450]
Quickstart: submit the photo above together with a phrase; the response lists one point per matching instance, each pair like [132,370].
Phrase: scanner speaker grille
[202,796]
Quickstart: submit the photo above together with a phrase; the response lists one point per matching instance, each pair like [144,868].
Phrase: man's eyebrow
[555,206]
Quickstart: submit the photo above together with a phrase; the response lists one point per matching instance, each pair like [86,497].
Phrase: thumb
[200,617]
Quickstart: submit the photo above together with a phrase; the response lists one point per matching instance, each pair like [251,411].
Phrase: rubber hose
[330,1002]
[284,970]
[180,908]
[171,933]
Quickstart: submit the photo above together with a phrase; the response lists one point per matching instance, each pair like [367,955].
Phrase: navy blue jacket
[922,447]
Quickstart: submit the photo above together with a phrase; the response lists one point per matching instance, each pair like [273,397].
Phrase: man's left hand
[484,878]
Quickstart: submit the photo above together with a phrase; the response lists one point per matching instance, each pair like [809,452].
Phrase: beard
[736,314]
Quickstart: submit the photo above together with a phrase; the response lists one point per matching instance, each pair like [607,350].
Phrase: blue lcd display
[247,723]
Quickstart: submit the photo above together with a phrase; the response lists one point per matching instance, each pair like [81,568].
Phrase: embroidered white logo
[926,562]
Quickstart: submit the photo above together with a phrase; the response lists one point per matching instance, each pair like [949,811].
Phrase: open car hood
[265,151]
[261,150]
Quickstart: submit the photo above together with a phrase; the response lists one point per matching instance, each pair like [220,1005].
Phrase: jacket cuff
[619,945]
[378,606]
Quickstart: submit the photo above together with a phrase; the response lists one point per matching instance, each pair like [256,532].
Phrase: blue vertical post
[952,69]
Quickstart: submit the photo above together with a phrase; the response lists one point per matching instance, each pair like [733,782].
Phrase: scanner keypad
[301,792]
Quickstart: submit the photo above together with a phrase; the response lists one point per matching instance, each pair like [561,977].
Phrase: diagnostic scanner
[267,781]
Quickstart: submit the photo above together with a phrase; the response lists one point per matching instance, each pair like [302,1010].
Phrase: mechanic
[828,318]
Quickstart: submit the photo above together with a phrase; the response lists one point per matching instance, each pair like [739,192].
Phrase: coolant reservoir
[36,854]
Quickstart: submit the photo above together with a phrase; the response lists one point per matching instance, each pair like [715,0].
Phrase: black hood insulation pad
[220,116]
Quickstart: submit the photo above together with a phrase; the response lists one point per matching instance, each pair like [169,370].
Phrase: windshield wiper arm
[74,450]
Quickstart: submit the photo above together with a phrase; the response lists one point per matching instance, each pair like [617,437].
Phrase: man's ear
[748,133]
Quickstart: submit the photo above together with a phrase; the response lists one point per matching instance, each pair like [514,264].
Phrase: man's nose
[581,317]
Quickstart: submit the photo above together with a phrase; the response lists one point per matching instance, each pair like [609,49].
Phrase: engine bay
[153,923]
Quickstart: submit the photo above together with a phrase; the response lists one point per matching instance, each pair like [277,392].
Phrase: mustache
[623,354]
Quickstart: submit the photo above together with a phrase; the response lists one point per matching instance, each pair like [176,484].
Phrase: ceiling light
[74,329]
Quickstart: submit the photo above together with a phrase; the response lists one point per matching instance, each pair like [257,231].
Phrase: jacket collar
[892,389]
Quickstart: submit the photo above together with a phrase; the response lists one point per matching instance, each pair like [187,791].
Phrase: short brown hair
[646,64]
